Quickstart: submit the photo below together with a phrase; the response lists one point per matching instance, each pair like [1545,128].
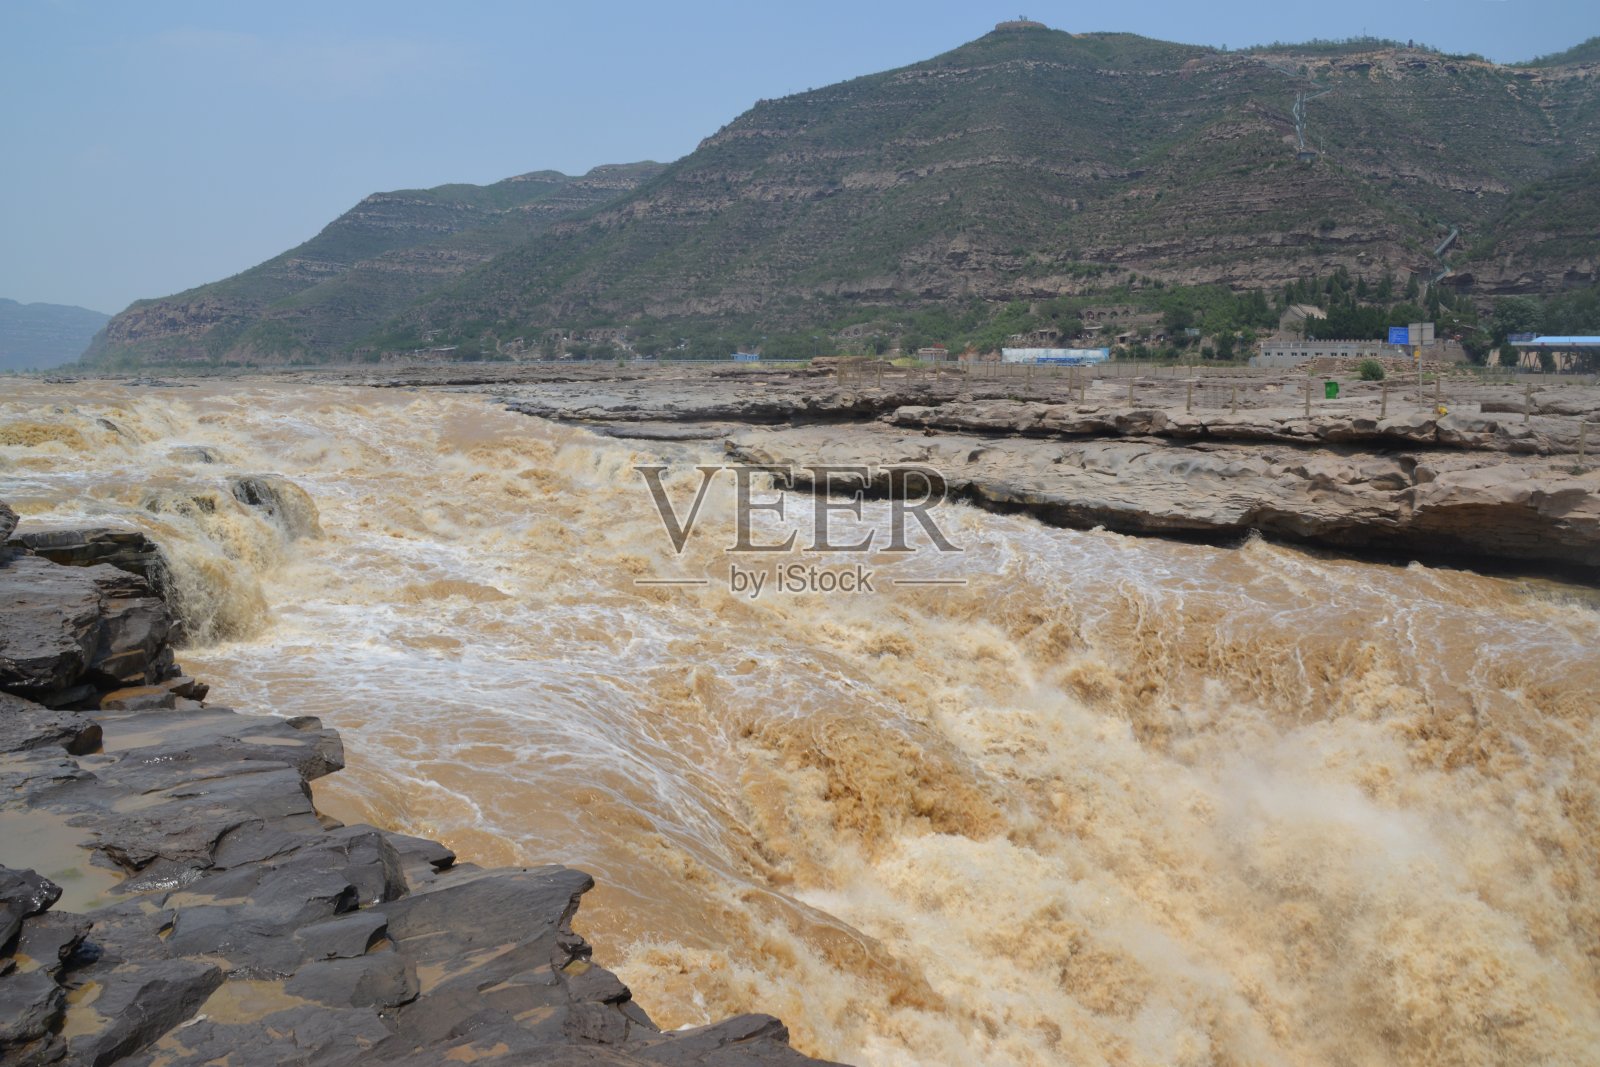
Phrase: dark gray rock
[67,627]
[50,628]
[31,1003]
[49,939]
[140,1002]
[126,549]
[381,980]
[311,1036]
[235,799]
[25,725]
[22,894]
[742,1040]
[8,521]
[288,506]
[139,698]
[344,937]
[422,860]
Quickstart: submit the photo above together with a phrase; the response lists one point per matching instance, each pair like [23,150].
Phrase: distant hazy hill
[39,336]
[318,298]
[1027,164]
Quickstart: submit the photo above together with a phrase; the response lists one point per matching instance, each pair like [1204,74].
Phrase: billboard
[1399,335]
[746,357]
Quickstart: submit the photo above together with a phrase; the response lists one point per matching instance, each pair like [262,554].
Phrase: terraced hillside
[321,297]
[1034,163]
[1547,237]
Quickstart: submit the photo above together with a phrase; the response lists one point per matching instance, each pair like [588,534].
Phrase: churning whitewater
[1113,800]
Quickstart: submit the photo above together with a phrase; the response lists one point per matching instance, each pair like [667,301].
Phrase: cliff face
[370,262]
[1029,163]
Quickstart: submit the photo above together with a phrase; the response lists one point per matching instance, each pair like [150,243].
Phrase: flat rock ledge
[1493,482]
[170,895]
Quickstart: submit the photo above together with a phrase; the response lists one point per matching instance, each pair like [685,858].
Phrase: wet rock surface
[126,549]
[170,895]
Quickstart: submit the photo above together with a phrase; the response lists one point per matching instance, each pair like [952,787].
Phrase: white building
[1294,353]
[1054,355]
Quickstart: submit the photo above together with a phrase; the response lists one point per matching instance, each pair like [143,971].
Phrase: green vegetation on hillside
[1587,52]
[948,200]
[1554,220]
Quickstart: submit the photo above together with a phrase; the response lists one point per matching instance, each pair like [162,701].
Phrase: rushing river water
[1113,800]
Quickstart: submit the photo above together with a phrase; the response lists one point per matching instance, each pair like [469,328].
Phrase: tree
[1177,319]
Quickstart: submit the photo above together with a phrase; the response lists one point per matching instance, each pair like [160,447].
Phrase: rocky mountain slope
[1544,240]
[38,336]
[1032,163]
[321,296]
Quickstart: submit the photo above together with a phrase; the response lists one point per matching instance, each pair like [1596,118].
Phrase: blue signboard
[1399,335]
[746,357]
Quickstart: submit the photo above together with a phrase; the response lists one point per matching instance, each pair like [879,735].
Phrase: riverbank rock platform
[170,895]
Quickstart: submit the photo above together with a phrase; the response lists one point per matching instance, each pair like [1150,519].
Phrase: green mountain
[1032,164]
[1546,238]
[1587,52]
[40,336]
[321,297]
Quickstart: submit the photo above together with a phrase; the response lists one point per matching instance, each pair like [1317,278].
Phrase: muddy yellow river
[1111,800]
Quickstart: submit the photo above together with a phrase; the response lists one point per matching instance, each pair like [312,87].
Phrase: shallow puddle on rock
[130,730]
[244,1001]
[81,1019]
[42,841]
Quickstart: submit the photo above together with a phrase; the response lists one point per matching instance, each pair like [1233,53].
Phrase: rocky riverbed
[169,894]
[1458,469]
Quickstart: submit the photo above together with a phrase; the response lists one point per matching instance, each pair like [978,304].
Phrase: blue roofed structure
[1569,352]
[1560,342]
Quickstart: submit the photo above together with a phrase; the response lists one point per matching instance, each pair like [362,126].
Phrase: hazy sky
[148,147]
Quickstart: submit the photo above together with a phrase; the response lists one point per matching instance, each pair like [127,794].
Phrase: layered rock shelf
[1483,473]
[170,895]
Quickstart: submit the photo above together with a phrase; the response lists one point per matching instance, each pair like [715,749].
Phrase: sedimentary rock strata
[1500,474]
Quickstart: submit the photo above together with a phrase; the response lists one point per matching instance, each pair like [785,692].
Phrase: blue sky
[153,146]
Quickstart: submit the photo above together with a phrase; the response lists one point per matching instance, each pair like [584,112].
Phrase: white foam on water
[1115,800]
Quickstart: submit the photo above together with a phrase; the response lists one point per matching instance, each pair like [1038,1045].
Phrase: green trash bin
[1330,390]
